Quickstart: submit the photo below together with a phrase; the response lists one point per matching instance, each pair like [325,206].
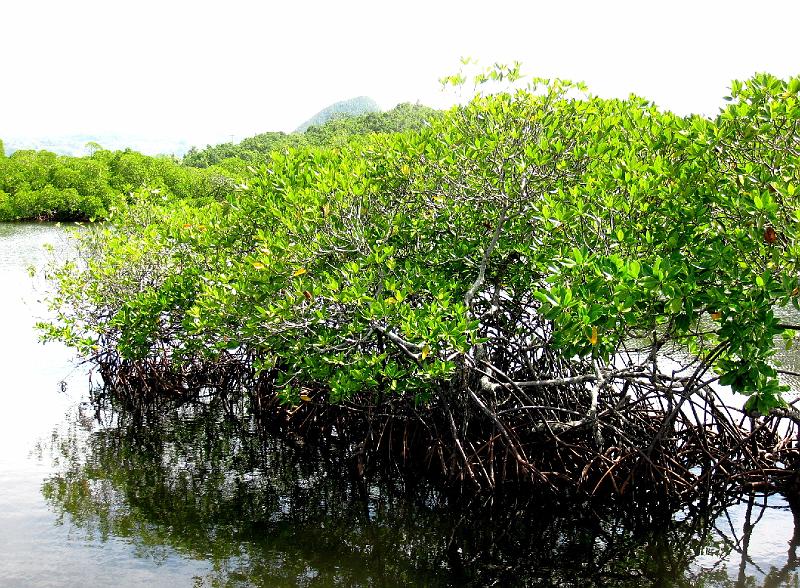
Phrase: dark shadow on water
[210,486]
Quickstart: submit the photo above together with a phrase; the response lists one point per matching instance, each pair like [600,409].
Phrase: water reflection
[33,551]
[210,485]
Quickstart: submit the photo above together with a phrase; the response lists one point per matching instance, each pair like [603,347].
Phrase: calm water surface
[90,496]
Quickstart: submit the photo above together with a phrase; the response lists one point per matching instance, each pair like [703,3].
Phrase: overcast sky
[202,71]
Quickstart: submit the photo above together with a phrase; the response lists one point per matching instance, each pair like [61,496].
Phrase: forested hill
[334,132]
[353,107]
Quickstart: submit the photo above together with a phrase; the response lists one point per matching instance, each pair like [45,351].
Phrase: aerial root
[630,435]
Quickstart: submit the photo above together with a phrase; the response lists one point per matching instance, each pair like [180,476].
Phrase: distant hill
[353,107]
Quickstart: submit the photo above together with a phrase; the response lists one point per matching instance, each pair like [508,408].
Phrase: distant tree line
[336,132]
[40,185]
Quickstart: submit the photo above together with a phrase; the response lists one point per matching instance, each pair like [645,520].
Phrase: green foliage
[45,186]
[335,131]
[252,150]
[374,266]
[338,131]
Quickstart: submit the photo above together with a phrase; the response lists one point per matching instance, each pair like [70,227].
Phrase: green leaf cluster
[44,186]
[373,266]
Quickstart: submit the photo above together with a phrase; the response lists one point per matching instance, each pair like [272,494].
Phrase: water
[36,551]
[92,496]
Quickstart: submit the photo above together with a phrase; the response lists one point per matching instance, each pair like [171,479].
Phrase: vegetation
[41,185]
[346,108]
[541,286]
[251,150]
[44,186]
[334,132]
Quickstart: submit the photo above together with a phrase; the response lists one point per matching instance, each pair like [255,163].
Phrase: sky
[208,71]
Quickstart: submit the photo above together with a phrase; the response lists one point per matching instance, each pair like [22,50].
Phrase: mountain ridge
[350,107]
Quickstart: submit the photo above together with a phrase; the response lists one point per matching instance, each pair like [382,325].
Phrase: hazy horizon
[153,144]
[200,73]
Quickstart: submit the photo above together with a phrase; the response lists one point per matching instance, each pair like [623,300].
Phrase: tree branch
[484,262]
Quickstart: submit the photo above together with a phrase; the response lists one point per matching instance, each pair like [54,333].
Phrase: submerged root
[613,434]
[487,450]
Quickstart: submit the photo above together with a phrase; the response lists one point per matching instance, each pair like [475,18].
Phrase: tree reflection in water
[210,485]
